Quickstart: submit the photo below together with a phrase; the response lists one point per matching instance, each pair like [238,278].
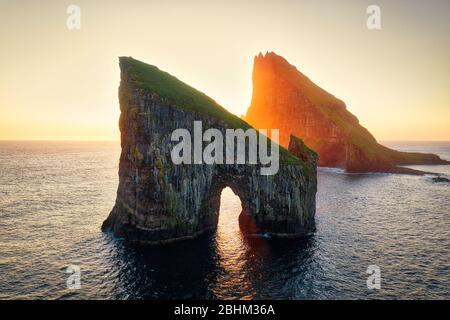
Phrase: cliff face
[158,201]
[284,98]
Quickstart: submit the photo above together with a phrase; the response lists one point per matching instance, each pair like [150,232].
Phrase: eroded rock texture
[286,99]
[158,201]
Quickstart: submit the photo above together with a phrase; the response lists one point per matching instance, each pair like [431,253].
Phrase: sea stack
[286,99]
[159,201]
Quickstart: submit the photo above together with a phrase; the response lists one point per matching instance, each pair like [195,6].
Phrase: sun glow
[62,84]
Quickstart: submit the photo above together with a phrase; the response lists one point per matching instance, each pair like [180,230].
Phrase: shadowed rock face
[284,98]
[158,201]
[299,149]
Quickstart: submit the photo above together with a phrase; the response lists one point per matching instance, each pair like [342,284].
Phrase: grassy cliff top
[151,78]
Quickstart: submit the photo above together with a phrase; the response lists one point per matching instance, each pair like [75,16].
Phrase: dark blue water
[55,195]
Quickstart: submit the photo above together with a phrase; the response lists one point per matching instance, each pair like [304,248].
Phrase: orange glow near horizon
[58,84]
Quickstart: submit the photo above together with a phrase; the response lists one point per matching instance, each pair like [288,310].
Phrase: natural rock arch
[158,201]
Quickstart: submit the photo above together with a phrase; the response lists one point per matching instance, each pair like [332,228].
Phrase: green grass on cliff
[179,93]
[149,77]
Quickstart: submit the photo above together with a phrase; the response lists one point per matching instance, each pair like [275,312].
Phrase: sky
[61,84]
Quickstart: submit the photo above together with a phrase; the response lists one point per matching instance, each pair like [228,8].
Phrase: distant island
[286,99]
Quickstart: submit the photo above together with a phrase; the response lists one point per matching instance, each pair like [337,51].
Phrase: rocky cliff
[286,99]
[159,201]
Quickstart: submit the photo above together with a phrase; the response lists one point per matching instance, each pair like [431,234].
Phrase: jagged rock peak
[270,55]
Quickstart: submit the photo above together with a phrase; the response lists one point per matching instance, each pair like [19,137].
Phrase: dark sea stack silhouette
[286,99]
[158,201]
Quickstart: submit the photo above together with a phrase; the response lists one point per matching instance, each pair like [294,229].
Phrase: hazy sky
[62,84]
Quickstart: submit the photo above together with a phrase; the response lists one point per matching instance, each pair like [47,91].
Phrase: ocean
[54,197]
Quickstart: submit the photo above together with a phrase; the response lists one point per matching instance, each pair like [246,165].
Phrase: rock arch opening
[229,211]
[237,188]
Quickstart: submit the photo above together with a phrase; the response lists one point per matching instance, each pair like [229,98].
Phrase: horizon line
[118,140]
